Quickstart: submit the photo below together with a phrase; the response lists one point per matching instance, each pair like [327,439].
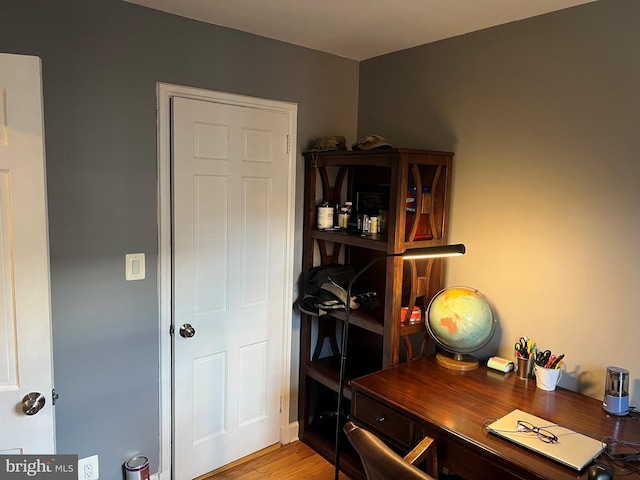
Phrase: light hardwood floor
[293,461]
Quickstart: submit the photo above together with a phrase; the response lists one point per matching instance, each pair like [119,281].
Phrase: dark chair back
[381,463]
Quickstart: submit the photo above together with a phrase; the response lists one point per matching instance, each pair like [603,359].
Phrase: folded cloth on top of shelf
[336,273]
[309,305]
[370,142]
[327,144]
[325,289]
[334,296]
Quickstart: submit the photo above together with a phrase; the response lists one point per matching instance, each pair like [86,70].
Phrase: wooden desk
[404,403]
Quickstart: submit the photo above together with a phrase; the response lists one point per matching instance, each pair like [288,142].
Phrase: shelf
[367,319]
[326,371]
[373,242]
[412,328]
[320,431]
[323,443]
[387,157]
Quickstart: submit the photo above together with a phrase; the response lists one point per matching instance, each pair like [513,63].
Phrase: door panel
[230,172]
[25,316]
[210,243]
[255,217]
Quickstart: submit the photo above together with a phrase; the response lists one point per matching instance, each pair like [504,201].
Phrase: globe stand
[457,361]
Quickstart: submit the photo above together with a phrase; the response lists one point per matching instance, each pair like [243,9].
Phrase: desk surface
[456,404]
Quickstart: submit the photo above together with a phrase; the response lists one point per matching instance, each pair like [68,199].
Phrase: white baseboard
[289,433]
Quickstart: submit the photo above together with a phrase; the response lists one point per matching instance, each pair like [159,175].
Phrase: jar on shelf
[344,217]
[325,216]
[374,225]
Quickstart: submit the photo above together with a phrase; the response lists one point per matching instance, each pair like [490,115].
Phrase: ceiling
[358,29]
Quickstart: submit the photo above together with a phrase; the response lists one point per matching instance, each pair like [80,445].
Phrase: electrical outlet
[88,468]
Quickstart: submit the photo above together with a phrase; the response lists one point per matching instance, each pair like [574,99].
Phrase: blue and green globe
[460,320]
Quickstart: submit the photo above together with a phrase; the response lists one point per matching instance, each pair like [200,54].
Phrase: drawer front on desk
[455,458]
[383,420]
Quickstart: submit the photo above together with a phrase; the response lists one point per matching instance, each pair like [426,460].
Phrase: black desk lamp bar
[412,254]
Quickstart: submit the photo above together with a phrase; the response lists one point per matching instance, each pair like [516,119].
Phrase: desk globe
[460,320]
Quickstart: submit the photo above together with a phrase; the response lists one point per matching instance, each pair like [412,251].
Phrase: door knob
[187,331]
[32,403]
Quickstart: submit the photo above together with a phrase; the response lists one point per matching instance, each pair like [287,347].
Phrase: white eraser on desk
[500,364]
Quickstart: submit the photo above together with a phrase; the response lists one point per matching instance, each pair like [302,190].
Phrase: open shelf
[326,371]
[374,241]
[370,320]
[350,463]
[320,430]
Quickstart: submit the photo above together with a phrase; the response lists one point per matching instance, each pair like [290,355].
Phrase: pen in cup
[557,362]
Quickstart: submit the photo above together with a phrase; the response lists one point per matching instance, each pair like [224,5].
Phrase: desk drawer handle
[381,418]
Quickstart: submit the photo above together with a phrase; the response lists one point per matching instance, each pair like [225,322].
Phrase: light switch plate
[134,266]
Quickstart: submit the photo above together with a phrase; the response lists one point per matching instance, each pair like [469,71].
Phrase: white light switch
[134,266]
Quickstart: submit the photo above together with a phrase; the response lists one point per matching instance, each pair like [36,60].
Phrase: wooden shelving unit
[377,338]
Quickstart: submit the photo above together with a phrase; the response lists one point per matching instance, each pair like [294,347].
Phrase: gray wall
[543,115]
[101,61]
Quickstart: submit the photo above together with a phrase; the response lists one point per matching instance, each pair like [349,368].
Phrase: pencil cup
[525,367]
[547,378]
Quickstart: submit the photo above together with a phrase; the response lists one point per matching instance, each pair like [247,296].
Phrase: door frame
[165,91]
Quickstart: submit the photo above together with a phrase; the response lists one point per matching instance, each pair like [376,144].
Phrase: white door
[25,316]
[230,172]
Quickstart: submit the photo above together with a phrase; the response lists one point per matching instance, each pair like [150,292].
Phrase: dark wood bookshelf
[377,338]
